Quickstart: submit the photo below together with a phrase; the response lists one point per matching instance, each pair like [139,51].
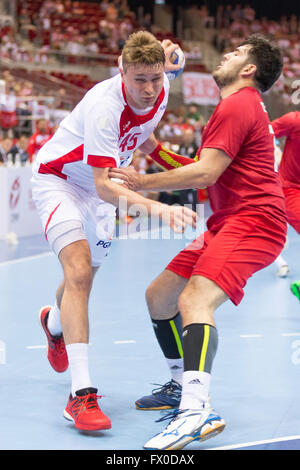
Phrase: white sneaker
[283,271]
[187,426]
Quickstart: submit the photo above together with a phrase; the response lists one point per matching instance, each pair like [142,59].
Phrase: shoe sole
[86,428]
[40,314]
[41,323]
[202,435]
[156,408]
[295,291]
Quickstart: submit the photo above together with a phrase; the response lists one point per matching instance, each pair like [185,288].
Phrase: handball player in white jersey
[77,201]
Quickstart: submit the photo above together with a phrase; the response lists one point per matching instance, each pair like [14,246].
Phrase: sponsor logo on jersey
[126,126]
[104,244]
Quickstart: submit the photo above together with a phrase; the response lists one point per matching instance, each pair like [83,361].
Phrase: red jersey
[36,142]
[240,127]
[288,126]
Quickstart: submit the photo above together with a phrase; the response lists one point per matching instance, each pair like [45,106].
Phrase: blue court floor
[256,375]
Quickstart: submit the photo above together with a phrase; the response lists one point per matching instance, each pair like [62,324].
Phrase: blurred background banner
[200,89]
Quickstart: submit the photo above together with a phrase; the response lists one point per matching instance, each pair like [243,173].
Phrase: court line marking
[251,336]
[43,346]
[26,258]
[255,443]
[128,341]
[290,334]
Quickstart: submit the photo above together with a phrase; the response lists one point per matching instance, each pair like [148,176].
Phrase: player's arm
[163,157]
[114,193]
[213,162]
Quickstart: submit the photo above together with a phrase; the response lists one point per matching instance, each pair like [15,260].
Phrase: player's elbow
[104,190]
[207,179]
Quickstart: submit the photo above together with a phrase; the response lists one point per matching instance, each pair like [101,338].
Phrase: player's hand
[129,176]
[179,217]
[169,47]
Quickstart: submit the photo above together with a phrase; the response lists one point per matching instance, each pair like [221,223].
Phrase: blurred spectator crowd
[28,117]
[234,23]
[69,27]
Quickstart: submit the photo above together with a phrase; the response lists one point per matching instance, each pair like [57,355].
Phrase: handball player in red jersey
[246,232]
[288,126]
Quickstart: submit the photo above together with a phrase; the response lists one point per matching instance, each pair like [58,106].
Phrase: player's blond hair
[142,48]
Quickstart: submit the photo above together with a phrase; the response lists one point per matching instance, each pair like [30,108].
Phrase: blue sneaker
[163,398]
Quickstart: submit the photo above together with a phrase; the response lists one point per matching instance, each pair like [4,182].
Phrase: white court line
[251,336]
[290,334]
[43,346]
[128,341]
[255,443]
[26,258]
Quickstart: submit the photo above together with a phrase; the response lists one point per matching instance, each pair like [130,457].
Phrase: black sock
[200,342]
[169,336]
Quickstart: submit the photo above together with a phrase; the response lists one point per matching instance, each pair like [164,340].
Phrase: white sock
[176,368]
[78,361]
[280,261]
[195,389]
[54,325]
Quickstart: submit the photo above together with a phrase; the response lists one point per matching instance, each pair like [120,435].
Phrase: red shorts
[245,244]
[292,204]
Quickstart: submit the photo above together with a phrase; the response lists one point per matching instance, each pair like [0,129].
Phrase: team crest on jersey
[126,126]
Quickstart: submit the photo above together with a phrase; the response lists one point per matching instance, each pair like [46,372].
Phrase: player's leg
[195,418]
[54,323]
[63,209]
[292,203]
[162,300]
[282,265]
[243,246]
[82,407]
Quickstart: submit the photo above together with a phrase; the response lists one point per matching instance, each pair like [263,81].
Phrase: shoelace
[171,416]
[169,387]
[89,401]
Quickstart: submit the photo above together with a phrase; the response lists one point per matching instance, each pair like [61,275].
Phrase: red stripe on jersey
[49,219]
[101,162]
[55,167]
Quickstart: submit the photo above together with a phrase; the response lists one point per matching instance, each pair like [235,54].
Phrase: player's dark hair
[268,59]
[142,48]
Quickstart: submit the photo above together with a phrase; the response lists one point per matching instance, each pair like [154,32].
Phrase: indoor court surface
[256,374]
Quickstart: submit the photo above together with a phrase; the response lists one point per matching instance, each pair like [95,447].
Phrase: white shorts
[69,213]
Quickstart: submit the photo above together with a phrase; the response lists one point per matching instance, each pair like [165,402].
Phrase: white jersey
[101,131]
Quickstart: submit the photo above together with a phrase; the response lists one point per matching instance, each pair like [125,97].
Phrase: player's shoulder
[107,93]
[246,102]
[242,97]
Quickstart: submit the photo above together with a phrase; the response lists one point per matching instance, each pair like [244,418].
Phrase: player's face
[143,84]
[231,65]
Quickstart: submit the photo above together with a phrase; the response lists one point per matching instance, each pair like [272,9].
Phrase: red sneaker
[57,354]
[84,411]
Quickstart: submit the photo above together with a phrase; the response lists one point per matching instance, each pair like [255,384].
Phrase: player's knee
[79,275]
[189,300]
[150,295]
